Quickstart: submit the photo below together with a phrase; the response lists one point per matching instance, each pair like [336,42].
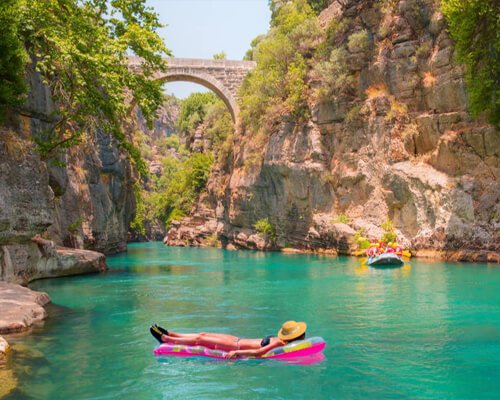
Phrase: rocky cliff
[83,199]
[403,147]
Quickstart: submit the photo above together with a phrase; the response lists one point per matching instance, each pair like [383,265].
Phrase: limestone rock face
[80,199]
[95,206]
[26,202]
[403,148]
[22,263]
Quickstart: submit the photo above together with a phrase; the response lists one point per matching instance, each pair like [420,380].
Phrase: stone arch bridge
[224,77]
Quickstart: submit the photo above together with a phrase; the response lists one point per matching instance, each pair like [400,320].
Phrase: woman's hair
[301,337]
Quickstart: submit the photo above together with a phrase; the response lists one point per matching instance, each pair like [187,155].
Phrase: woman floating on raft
[234,346]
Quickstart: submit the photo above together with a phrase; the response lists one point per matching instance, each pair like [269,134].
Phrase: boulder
[22,263]
[4,347]
[20,307]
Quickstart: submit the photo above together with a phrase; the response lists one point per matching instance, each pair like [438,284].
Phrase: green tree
[176,191]
[278,84]
[81,48]
[475,27]
[219,123]
[193,110]
[13,56]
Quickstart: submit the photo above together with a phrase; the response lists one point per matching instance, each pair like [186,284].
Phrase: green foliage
[290,15]
[82,50]
[359,41]
[334,76]
[75,225]
[255,42]
[174,193]
[475,27]
[264,227]
[219,125]
[173,142]
[319,5]
[354,113]
[137,223]
[193,110]
[175,215]
[13,56]
[220,56]
[361,240]
[389,233]
[278,84]
[197,170]
[341,218]
[296,88]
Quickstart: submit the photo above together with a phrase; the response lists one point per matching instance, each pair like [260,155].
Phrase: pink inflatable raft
[301,348]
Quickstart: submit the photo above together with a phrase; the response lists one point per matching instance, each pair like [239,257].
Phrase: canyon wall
[404,147]
[83,199]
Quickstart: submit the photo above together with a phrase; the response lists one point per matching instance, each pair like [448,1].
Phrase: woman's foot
[156,333]
[162,330]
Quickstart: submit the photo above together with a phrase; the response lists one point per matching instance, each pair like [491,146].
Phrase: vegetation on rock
[193,111]
[202,136]
[81,48]
[278,85]
[13,56]
[475,27]
[266,228]
[220,56]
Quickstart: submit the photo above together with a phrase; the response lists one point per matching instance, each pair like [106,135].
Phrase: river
[428,330]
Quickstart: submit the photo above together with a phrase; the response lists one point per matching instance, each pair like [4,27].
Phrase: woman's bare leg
[210,340]
[204,334]
[183,335]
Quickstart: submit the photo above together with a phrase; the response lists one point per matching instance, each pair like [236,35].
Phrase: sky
[202,28]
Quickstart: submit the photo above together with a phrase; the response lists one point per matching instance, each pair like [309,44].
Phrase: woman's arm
[255,352]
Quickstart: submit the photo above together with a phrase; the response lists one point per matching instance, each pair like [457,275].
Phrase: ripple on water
[427,331]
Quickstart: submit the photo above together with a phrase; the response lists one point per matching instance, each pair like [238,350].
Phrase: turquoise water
[427,330]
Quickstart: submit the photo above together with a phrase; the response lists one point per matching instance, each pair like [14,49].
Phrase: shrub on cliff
[333,76]
[358,41]
[316,5]
[390,234]
[278,84]
[475,27]
[264,227]
[13,56]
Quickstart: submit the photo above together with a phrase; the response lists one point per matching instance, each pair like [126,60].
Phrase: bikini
[264,342]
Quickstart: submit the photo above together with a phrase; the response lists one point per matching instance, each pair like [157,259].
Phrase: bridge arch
[224,77]
[209,82]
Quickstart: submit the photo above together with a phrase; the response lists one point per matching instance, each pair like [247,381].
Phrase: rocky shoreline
[329,239]
[20,307]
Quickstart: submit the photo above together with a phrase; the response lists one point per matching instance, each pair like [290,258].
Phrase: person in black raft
[235,346]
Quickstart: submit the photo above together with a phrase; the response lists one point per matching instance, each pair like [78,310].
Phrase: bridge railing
[201,63]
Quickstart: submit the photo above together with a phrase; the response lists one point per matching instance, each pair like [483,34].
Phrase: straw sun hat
[291,330]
